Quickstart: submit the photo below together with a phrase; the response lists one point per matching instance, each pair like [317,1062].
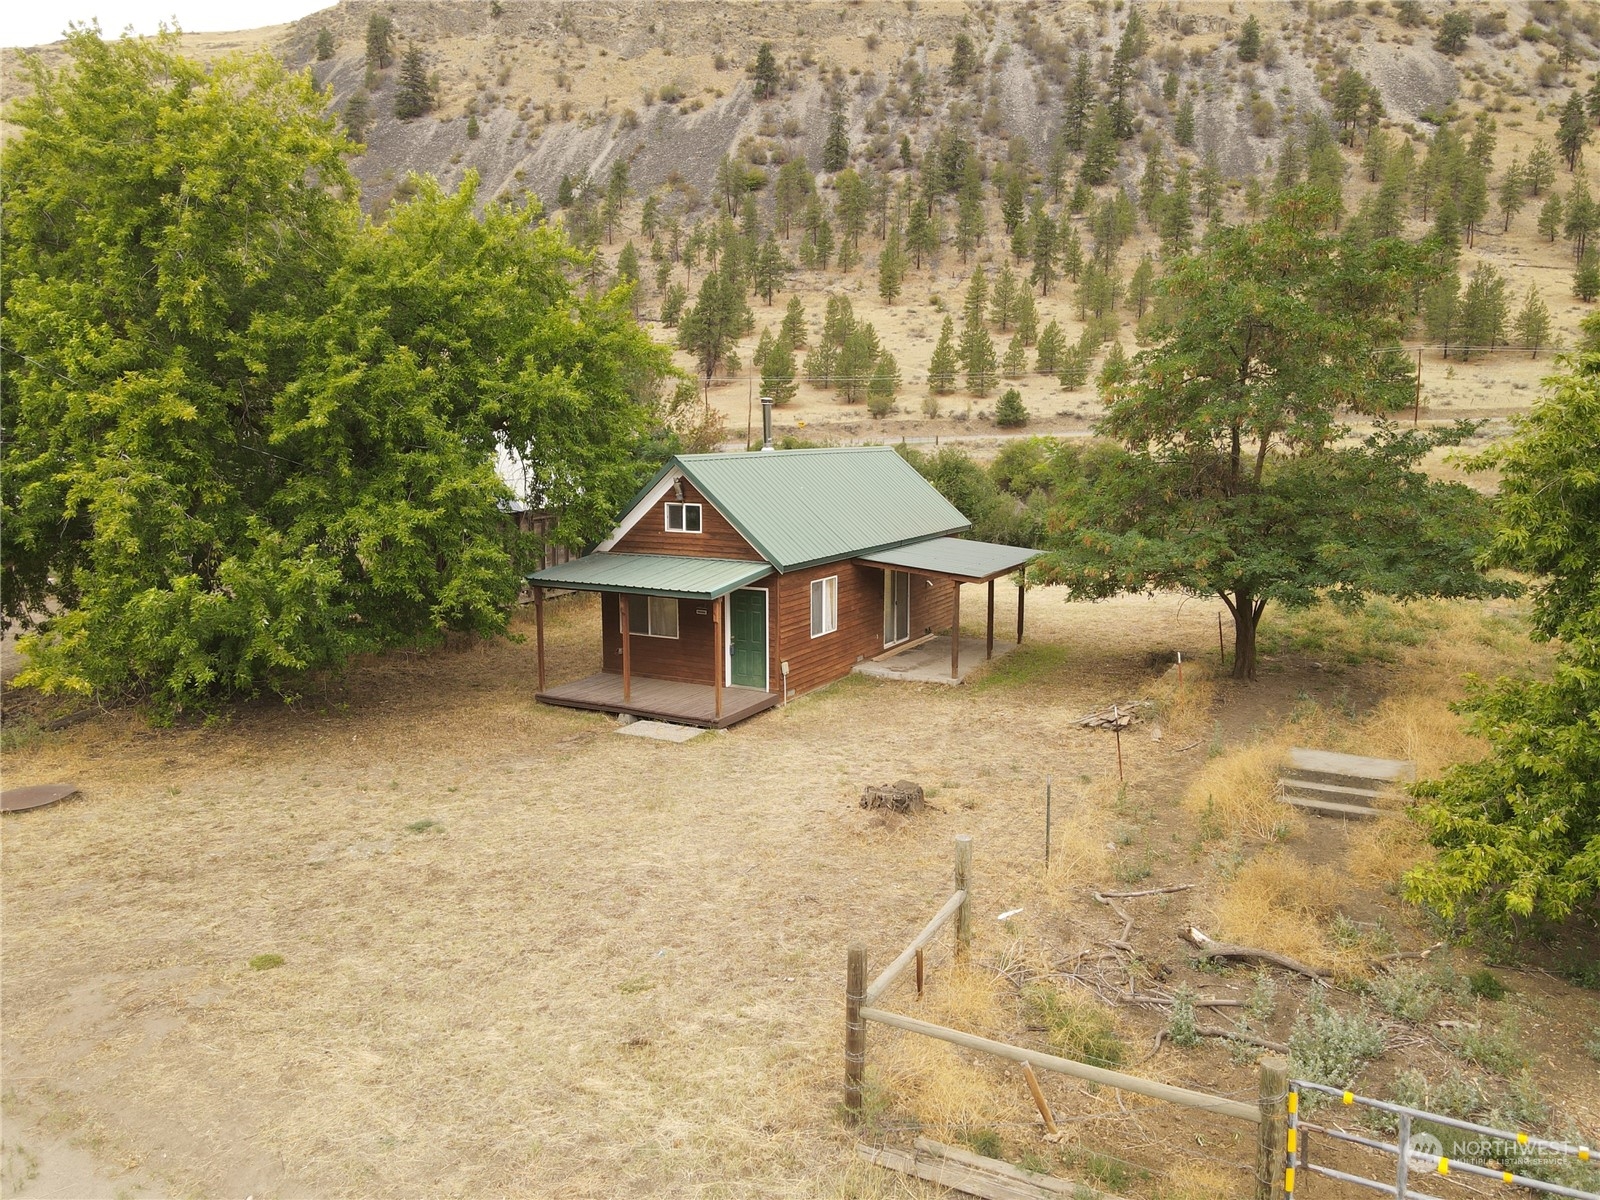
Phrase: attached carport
[960,560]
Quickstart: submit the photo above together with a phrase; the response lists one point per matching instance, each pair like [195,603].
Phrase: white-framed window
[653,616]
[824,605]
[683,518]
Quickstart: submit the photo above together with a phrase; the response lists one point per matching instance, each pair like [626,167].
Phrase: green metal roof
[955,557]
[802,507]
[652,575]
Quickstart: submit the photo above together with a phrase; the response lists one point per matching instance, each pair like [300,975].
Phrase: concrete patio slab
[930,662]
[661,731]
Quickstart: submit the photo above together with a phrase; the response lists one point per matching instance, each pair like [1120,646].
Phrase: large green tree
[248,434]
[1518,832]
[1238,476]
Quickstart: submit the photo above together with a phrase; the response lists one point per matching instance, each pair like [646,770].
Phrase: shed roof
[802,507]
[652,575]
[957,558]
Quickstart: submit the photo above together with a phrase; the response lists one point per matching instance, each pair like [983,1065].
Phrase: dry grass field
[521,955]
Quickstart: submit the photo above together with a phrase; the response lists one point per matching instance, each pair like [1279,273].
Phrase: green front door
[747,638]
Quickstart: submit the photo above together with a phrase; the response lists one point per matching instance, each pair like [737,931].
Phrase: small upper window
[683,518]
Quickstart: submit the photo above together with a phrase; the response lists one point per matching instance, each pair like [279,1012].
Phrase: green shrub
[1180,1024]
[1077,1028]
[1497,1048]
[1330,1047]
[1010,413]
[265,962]
[1409,993]
[1486,985]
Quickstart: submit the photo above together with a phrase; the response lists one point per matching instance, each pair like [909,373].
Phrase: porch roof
[955,558]
[652,575]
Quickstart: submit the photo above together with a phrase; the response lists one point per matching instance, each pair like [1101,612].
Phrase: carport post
[1021,599]
[627,649]
[955,631]
[538,622]
[716,653]
[989,647]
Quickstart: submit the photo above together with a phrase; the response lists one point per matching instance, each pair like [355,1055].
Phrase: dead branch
[1385,958]
[1211,948]
[1238,1035]
[1107,897]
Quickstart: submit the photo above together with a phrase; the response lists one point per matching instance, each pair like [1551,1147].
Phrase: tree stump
[902,796]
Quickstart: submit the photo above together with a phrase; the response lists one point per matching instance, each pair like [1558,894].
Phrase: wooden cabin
[733,582]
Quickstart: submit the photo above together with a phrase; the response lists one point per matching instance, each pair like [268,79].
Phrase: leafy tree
[1010,413]
[1518,832]
[1249,40]
[1532,326]
[778,371]
[836,150]
[942,367]
[231,458]
[1052,342]
[415,94]
[766,72]
[1572,134]
[1236,478]
[380,42]
[324,44]
[1454,29]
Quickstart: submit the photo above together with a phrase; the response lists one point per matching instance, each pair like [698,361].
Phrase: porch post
[627,649]
[955,631]
[1021,599]
[538,622]
[716,653]
[989,648]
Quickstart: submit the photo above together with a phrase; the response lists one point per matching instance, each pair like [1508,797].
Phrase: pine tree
[1541,169]
[1586,279]
[1113,373]
[1142,285]
[921,234]
[1483,311]
[1069,256]
[1441,310]
[1183,124]
[472,127]
[324,44]
[883,386]
[942,367]
[1003,299]
[891,266]
[1015,363]
[1177,221]
[969,213]
[1513,193]
[836,150]
[1572,134]
[771,269]
[1077,105]
[1249,40]
[1100,152]
[822,244]
[778,371]
[380,42]
[357,116]
[963,60]
[793,329]
[1027,318]
[1582,215]
[628,263]
[1010,413]
[1375,155]
[1532,326]
[766,72]
[415,95]
[1052,342]
[1073,370]
[1152,186]
[1045,254]
[972,309]
[977,356]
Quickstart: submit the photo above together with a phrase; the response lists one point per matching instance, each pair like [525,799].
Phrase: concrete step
[1315,787]
[1331,808]
[1314,764]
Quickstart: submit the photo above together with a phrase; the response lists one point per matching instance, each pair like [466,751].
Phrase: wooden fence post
[855,1032]
[1272,1130]
[964,884]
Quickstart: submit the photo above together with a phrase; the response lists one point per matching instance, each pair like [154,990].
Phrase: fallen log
[1211,948]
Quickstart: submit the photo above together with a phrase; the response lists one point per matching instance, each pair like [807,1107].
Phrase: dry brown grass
[1190,1180]
[1185,709]
[1279,902]
[1236,794]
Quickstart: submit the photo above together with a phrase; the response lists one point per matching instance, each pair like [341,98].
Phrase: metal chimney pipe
[766,423]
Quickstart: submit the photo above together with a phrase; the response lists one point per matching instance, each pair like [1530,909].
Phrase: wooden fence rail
[861,1007]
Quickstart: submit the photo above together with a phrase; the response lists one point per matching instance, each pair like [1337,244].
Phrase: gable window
[683,518]
[653,616]
[824,605]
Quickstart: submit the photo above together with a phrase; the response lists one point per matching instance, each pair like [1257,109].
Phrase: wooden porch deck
[660,699]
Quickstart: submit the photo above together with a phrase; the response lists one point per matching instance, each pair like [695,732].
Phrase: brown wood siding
[685,659]
[716,539]
[930,606]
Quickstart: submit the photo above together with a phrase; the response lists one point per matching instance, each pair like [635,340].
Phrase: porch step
[1342,785]
[1329,806]
[1312,787]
